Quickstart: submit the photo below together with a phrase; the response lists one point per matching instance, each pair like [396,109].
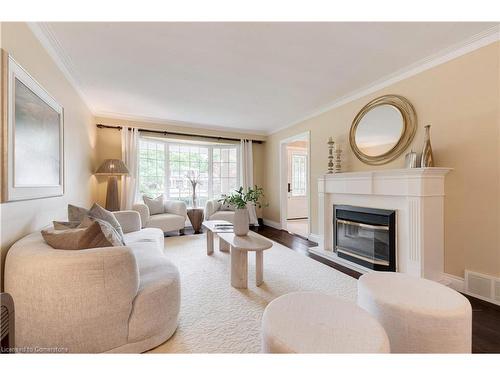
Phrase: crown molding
[160,121]
[50,43]
[477,41]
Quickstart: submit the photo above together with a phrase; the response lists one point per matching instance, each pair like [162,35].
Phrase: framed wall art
[33,137]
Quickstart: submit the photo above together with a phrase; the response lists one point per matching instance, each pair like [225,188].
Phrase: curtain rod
[164,132]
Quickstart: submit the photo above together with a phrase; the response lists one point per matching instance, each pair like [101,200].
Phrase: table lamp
[112,168]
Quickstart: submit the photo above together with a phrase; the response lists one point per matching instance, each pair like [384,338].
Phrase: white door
[297,184]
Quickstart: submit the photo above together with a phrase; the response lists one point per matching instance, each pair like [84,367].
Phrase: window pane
[222,176]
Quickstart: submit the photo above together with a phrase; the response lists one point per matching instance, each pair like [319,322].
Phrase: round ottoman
[419,315]
[310,322]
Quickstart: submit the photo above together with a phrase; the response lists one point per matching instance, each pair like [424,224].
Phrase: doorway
[294,167]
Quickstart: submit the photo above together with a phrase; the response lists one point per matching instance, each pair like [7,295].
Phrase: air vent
[7,323]
[482,286]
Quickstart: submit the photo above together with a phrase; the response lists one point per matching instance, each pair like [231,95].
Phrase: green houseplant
[240,200]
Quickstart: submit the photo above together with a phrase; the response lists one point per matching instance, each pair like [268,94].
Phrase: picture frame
[32,137]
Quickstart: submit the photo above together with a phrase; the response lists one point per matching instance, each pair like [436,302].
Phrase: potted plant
[240,200]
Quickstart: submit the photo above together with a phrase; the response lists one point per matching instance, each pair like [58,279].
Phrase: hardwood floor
[485,316]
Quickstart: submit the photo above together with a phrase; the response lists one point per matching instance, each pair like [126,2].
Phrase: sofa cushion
[166,222]
[222,215]
[97,234]
[156,306]
[155,205]
[145,235]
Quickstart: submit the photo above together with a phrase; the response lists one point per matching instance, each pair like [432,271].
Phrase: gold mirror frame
[409,129]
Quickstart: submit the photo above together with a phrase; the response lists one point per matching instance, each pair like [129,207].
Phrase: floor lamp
[112,168]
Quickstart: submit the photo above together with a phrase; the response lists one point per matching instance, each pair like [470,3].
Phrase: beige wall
[20,218]
[461,100]
[109,145]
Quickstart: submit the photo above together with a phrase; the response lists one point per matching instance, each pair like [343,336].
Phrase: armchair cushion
[176,208]
[211,207]
[143,211]
[155,205]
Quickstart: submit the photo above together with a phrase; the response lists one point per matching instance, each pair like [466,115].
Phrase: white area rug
[217,318]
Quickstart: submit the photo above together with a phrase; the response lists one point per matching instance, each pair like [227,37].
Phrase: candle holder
[331,167]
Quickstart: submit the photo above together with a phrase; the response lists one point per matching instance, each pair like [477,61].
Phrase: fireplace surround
[416,195]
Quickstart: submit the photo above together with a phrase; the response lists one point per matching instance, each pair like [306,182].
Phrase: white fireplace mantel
[417,196]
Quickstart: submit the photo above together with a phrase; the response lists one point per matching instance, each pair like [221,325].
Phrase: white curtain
[130,149]
[247,175]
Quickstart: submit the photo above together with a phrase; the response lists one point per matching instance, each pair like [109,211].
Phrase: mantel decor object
[383,129]
[331,145]
[411,159]
[337,159]
[427,159]
[112,168]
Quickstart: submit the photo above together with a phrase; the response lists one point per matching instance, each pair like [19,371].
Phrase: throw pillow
[155,205]
[107,229]
[61,225]
[97,212]
[76,213]
[80,238]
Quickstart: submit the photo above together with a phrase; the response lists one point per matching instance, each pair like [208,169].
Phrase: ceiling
[256,77]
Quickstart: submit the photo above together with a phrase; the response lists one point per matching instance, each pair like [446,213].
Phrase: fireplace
[365,236]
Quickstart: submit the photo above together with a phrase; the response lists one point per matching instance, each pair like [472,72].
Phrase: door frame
[283,185]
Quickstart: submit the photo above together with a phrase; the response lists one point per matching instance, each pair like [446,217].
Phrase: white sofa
[174,217]
[213,211]
[121,299]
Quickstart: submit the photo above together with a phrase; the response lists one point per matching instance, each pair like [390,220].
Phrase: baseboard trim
[315,238]
[454,282]
[272,224]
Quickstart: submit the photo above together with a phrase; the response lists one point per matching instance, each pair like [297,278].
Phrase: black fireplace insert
[365,236]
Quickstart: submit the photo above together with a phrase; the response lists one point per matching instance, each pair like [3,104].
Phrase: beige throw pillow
[82,238]
[97,212]
[155,205]
[61,225]
[76,213]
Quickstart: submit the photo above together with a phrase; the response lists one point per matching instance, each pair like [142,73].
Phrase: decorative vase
[411,159]
[427,159]
[241,222]
[194,197]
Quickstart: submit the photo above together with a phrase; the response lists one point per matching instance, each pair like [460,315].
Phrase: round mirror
[383,129]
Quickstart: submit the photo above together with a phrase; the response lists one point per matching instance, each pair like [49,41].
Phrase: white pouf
[419,315]
[310,322]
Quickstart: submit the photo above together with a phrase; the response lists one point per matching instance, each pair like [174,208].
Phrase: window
[163,166]
[299,175]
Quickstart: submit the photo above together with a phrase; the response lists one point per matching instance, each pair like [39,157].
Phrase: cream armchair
[174,217]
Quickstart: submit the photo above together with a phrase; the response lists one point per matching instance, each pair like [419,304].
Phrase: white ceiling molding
[50,43]
[477,41]
[159,121]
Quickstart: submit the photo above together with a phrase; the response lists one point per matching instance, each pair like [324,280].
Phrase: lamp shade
[112,167]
